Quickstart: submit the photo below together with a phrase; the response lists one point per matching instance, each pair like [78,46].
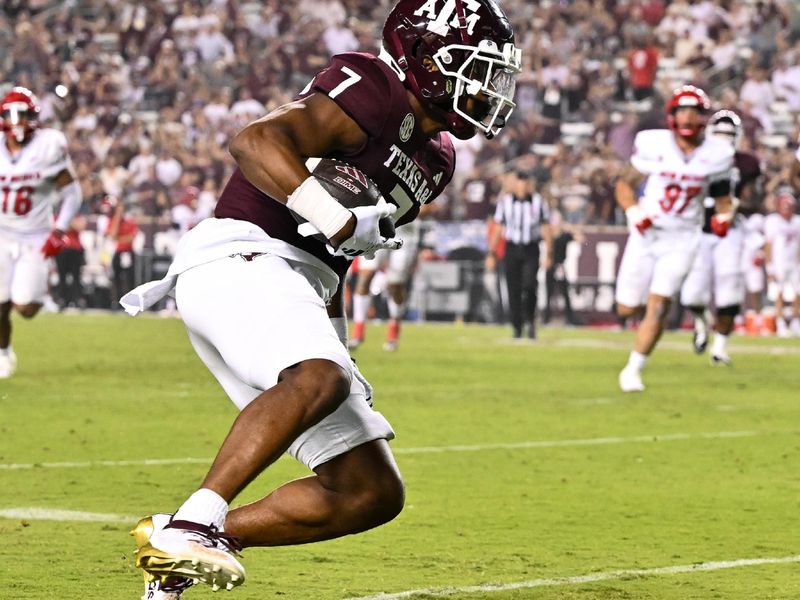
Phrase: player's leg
[26,291]
[671,258]
[8,254]
[674,256]
[355,491]
[362,299]
[514,263]
[696,291]
[729,291]
[794,284]
[275,337]
[399,269]
[356,483]
[550,290]
[530,285]
[633,281]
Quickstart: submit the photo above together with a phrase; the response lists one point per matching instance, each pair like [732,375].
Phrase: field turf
[529,475]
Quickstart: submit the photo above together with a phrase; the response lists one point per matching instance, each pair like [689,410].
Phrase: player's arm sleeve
[71,199]
[56,158]
[645,157]
[360,89]
[720,179]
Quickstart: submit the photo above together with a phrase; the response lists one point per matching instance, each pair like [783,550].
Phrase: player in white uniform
[718,265]
[679,167]
[35,173]
[399,265]
[782,232]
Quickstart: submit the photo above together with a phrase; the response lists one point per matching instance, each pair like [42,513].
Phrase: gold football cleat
[188,551]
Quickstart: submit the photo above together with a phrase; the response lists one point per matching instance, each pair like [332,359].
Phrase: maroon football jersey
[748,169]
[408,167]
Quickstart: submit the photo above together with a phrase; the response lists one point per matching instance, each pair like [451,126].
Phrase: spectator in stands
[113,175]
[246,108]
[757,91]
[140,167]
[211,43]
[168,169]
[642,66]
[785,80]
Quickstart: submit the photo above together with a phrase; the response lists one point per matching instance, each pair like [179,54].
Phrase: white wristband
[634,214]
[312,202]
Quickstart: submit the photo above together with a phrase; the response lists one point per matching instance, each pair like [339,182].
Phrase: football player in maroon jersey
[262,303]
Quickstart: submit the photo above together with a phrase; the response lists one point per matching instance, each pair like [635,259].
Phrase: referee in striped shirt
[523,217]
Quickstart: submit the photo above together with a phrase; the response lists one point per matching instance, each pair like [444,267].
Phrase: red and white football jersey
[677,183]
[27,182]
[784,237]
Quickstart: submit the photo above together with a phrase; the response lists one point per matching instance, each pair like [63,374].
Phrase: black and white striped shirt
[521,218]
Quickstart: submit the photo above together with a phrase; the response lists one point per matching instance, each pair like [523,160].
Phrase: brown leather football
[349,186]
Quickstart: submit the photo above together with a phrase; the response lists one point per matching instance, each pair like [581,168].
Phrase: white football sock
[637,360]
[720,344]
[395,310]
[360,307]
[204,506]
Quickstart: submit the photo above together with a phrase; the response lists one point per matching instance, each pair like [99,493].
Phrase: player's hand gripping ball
[350,187]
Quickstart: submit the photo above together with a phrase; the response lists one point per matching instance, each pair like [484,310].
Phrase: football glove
[54,244]
[720,224]
[638,218]
[367,239]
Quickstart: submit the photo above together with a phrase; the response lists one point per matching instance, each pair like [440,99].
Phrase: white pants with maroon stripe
[248,320]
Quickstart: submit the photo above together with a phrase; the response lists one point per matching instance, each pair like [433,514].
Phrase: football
[349,186]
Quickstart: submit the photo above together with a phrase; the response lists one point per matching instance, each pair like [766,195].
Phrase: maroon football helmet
[471,43]
[688,96]
[19,112]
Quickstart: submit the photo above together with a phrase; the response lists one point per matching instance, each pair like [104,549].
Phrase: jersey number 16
[21,203]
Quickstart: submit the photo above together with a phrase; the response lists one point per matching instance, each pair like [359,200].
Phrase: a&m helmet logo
[447,16]
[407,127]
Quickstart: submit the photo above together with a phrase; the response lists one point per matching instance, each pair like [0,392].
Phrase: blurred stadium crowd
[149,92]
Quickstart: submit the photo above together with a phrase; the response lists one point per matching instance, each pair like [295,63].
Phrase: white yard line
[605,441]
[54,514]
[674,345]
[105,463]
[581,579]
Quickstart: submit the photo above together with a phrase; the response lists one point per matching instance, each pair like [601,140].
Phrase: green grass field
[529,475]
